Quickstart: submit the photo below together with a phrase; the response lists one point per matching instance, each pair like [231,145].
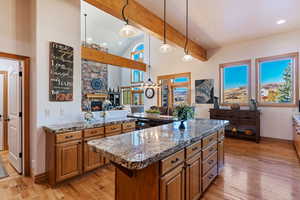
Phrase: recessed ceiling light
[281,21]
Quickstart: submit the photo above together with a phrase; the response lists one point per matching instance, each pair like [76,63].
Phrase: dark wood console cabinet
[244,124]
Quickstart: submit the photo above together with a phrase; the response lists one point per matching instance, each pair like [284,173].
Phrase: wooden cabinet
[69,155]
[113,130]
[68,160]
[193,178]
[92,159]
[183,175]
[172,185]
[209,177]
[221,157]
[296,138]
[243,124]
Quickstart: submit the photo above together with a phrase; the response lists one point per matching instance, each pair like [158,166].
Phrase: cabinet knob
[175,161]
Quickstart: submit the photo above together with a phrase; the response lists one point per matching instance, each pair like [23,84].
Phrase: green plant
[285,90]
[184,112]
[153,111]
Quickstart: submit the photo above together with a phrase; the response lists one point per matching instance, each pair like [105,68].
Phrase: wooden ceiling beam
[107,58]
[146,20]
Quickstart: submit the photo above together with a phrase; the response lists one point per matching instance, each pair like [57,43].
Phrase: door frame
[25,107]
[5,109]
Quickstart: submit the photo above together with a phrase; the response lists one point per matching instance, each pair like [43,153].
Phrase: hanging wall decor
[61,72]
[204,91]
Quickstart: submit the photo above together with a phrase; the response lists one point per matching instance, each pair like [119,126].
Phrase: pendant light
[127,31]
[149,83]
[187,57]
[165,48]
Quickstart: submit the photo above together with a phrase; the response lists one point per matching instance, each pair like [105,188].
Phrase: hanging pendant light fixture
[149,83]
[165,48]
[187,57]
[127,31]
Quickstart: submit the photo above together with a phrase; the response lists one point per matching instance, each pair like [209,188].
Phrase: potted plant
[183,112]
[153,111]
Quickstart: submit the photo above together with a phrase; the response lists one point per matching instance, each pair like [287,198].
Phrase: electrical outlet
[47,113]
[61,112]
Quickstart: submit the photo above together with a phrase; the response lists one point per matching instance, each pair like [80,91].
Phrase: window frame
[172,85]
[295,57]
[133,52]
[221,80]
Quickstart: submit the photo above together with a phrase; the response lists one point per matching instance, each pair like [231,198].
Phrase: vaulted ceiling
[214,23]
[104,29]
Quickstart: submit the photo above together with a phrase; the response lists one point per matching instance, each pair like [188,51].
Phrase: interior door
[15,121]
[1,110]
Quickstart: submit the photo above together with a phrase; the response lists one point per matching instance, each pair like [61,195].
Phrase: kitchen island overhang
[146,159]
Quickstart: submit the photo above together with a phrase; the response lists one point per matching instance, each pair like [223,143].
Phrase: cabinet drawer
[128,125]
[193,149]
[209,150]
[113,128]
[209,162]
[65,137]
[209,177]
[171,162]
[221,134]
[209,139]
[93,132]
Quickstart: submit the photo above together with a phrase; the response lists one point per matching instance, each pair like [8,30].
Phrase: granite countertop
[138,149]
[152,116]
[81,125]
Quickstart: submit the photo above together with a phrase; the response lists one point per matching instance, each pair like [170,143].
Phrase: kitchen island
[164,162]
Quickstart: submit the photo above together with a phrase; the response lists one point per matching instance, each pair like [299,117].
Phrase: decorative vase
[182,126]
[253,104]
[216,103]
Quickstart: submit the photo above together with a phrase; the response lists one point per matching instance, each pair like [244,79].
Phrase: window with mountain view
[277,79]
[235,82]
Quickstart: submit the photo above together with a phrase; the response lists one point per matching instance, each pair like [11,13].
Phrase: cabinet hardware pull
[175,161]
[194,149]
[210,162]
[210,176]
[211,149]
[68,136]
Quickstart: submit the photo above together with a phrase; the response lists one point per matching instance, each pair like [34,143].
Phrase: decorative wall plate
[97,84]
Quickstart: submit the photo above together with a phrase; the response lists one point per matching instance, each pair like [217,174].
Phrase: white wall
[113,77]
[58,21]
[275,122]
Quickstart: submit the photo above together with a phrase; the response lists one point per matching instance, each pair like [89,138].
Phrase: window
[277,80]
[126,96]
[235,82]
[137,54]
[175,89]
[132,96]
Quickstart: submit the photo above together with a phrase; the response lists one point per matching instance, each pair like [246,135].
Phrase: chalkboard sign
[61,72]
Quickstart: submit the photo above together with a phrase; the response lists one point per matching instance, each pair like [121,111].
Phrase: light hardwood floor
[269,170]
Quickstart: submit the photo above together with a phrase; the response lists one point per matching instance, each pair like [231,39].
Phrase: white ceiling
[104,28]
[215,23]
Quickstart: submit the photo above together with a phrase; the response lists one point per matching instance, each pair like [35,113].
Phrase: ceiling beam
[107,58]
[145,19]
